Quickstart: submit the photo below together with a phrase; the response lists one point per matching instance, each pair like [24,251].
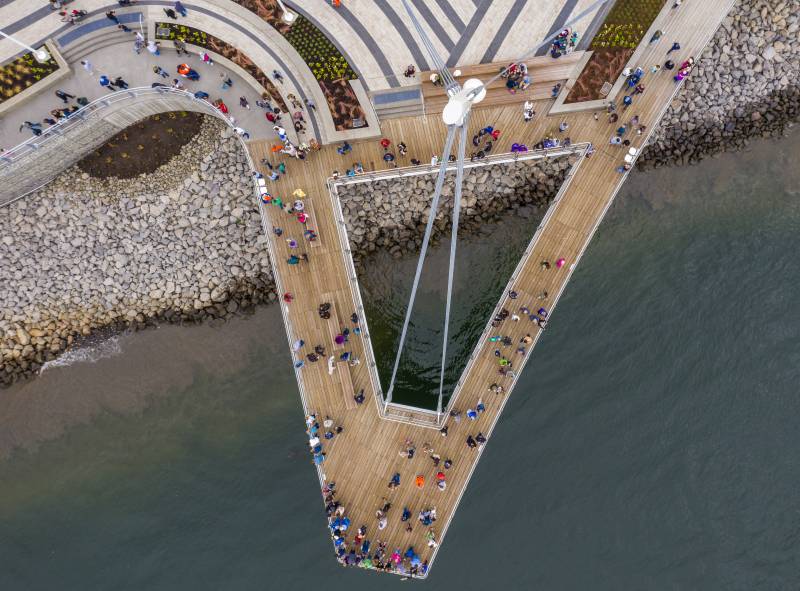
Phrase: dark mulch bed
[605,65]
[144,146]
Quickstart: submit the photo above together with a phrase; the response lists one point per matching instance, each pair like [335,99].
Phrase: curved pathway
[232,23]
[137,70]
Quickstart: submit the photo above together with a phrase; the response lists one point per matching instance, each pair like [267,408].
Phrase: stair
[84,38]
[395,103]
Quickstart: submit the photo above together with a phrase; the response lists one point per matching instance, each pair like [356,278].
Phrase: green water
[484,263]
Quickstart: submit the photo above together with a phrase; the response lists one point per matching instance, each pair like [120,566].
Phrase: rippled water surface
[652,442]
[484,263]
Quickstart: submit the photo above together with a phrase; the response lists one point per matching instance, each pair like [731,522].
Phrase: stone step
[103,38]
[406,102]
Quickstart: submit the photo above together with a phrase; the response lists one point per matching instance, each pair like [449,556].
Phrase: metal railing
[400,412]
[426,169]
[81,115]
[93,111]
[581,150]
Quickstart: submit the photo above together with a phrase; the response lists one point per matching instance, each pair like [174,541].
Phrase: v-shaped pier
[362,459]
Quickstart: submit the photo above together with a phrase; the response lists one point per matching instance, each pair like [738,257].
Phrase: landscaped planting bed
[22,73]
[616,40]
[329,67]
[173,31]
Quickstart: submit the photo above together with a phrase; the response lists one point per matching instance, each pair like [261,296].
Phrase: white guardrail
[93,111]
[393,410]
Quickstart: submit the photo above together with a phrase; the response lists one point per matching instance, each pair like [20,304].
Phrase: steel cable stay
[448,145]
[530,53]
[462,143]
[456,118]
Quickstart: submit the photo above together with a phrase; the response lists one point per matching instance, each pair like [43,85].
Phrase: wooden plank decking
[544,73]
[365,455]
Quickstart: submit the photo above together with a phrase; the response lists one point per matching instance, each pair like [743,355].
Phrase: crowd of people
[565,42]
[516,77]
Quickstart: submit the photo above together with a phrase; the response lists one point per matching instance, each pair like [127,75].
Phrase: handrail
[424,169]
[85,115]
[355,291]
[385,408]
[35,143]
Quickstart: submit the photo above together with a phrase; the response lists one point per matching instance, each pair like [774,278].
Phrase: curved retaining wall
[38,161]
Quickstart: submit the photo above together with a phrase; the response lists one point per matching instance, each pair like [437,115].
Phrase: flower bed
[173,31]
[23,73]
[620,34]
[329,67]
[326,62]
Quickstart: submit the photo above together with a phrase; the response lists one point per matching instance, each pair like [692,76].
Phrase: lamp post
[41,55]
[288,16]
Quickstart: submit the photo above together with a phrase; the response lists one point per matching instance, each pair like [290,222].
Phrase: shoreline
[184,244]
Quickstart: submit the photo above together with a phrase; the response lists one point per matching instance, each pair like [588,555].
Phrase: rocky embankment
[181,244]
[745,85]
[391,215]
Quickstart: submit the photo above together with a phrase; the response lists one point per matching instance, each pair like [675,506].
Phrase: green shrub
[21,73]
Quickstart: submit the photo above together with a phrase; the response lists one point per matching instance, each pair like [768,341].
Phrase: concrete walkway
[137,70]
[376,36]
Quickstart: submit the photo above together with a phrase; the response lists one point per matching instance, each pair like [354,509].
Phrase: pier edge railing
[412,414]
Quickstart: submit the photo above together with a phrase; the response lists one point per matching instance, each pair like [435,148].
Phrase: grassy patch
[626,24]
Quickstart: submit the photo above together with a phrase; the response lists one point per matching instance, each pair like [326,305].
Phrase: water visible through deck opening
[484,263]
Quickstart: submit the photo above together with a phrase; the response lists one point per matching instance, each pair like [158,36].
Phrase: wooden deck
[362,459]
[544,73]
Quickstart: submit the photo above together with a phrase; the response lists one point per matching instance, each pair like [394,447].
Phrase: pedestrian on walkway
[563,126]
[64,96]
[669,64]
[87,65]
[161,72]
[675,47]
[243,102]
[627,101]
[112,17]
[277,75]
[120,83]
[171,14]
[106,83]
[177,84]
[36,128]
[138,45]
[656,36]
[410,71]
[206,58]
[181,9]
[154,47]
[310,104]
[124,28]
[226,82]
[243,133]
[180,46]
[527,112]
[556,89]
